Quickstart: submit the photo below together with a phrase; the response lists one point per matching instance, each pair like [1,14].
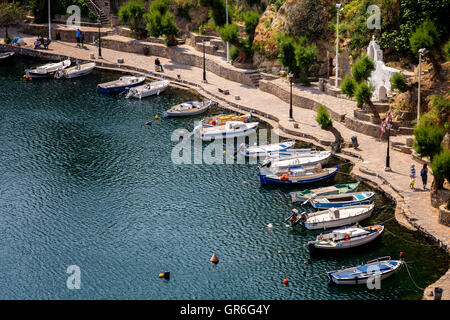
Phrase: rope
[428,245]
[407,269]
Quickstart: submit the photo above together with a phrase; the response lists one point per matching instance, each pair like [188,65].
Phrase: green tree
[398,81]
[348,86]
[251,20]
[305,57]
[428,138]
[161,22]
[10,13]
[439,112]
[324,120]
[132,13]
[441,170]
[427,36]
[362,69]
[286,49]
[217,11]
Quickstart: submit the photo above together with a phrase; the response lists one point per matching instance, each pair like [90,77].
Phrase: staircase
[104,19]
[254,76]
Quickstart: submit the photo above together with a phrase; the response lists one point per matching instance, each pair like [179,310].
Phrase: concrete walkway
[413,206]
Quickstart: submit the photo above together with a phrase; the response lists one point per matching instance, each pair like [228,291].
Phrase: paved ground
[413,204]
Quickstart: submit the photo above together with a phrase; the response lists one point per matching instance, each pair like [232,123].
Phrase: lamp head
[423,51]
[339,7]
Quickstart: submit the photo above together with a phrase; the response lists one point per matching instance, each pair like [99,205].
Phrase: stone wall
[444,215]
[178,55]
[440,197]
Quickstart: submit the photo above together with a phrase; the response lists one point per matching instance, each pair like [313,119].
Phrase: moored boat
[345,238]
[221,119]
[342,200]
[6,55]
[296,175]
[231,129]
[264,150]
[148,89]
[188,108]
[298,160]
[120,85]
[47,70]
[331,218]
[380,268]
[301,196]
[76,71]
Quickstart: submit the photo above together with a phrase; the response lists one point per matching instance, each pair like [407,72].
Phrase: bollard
[437,293]
[91,55]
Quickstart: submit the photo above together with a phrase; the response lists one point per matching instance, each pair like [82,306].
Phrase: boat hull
[227,135]
[302,196]
[338,222]
[264,179]
[118,89]
[336,277]
[79,74]
[196,111]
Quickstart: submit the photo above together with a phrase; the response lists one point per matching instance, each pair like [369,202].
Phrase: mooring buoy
[214,259]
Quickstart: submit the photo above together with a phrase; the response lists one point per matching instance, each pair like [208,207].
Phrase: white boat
[231,129]
[6,55]
[47,70]
[148,89]
[299,160]
[188,108]
[76,71]
[345,238]
[265,149]
[380,268]
[333,217]
[120,85]
[297,175]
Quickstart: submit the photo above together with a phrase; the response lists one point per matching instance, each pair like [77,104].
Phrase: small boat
[345,238]
[76,71]
[301,196]
[296,175]
[291,152]
[47,70]
[265,149]
[221,119]
[342,200]
[148,89]
[6,55]
[231,129]
[120,85]
[381,267]
[188,108]
[332,217]
[299,160]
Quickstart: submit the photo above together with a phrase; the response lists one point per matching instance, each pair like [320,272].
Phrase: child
[383,128]
[424,175]
[412,175]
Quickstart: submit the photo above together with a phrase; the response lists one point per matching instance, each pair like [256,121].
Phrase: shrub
[230,33]
[132,13]
[363,94]
[233,53]
[251,20]
[398,81]
[425,36]
[323,117]
[286,48]
[348,86]
[441,167]
[362,69]
[217,11]
[428,139]
[305,57]
[160,21]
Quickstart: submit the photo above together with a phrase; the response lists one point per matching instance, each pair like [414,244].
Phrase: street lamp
[339,8]
[291,77]
[228,44]
[388,158]
[422,52]
[99,40]
[204,62]
[49,22]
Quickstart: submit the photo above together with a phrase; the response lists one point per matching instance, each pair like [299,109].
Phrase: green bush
[398,81]
[323,117]
[233,53]
[428,139]
[348,86]
[8,40]
[230,33]
[425,36]
[286,48]
[132,13]
[362,69]
[363,94]
[217,11]
[441,167]
[161,22]
[251,20]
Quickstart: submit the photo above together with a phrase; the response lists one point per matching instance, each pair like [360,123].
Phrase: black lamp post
[204,62]
[291,77]
[388,158]
[99,41]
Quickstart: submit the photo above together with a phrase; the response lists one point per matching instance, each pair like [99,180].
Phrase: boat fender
[148,123]
[347,237]
[156,117]
[286,281]
[165,275]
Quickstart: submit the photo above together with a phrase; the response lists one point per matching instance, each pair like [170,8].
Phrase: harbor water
[83,181]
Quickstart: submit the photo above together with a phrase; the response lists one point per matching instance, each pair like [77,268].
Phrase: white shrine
[381,76]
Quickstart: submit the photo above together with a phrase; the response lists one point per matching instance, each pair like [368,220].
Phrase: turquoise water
[84,182]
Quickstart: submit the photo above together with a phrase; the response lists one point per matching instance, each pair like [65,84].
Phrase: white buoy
[270,226]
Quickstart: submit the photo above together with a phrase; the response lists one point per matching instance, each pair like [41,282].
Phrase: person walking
[383,128]
[424,175]
[82,39]
[412,175]
[78,33]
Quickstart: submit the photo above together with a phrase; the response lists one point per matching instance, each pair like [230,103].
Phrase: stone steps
[211,48]
[254,76]
[104,20]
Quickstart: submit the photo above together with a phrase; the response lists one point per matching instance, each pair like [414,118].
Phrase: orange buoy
[291,219]
[285,281]
[214,259]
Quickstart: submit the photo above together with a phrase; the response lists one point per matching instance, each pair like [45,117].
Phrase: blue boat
[295,176]
[374,270]
[342,200]
[120,85]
